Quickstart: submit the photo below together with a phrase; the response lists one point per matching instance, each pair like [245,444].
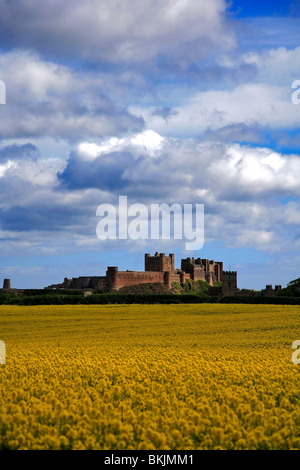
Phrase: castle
[159,269]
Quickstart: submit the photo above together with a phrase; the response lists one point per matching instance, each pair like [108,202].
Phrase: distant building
[269,291]
[159,268]
[6,284]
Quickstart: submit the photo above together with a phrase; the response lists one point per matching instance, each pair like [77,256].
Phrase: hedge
[75,298]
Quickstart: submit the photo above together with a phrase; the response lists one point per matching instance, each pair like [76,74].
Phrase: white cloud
[26,73]
[255,105]
[276,66]
[131,30]
[147,141]
[238,169]
[5,167]
[42,172]
[50,100]
[257,170]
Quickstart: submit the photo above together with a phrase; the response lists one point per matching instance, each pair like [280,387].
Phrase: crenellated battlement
[159,262]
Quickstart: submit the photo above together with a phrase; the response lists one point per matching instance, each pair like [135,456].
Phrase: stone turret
[159,262]
[6,284]
[112,278]
[229,286]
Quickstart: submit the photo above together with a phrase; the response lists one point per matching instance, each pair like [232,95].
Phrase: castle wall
[118,279]
[198,273]
[216,291]
[82,282]
[85,282]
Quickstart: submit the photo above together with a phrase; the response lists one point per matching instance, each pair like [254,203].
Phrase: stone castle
[159,269]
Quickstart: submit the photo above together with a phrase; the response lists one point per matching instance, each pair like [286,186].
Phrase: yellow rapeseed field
[176,377]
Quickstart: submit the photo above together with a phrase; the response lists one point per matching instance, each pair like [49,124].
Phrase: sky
[169,101]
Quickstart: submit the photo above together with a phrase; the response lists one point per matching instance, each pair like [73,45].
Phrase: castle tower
[182,278]
[229,286]
[6,284]
[209,278]
[167,279]
[159,262]
[218,271]
[112,278]
[269,290]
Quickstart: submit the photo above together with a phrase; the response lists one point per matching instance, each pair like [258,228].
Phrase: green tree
[292,289]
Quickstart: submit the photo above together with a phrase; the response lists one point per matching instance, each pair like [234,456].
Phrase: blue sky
[164,101]
[244,8]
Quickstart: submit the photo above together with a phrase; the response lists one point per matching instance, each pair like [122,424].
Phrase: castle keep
[203,269]
[158,269]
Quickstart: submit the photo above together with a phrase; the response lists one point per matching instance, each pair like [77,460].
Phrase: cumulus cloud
[148,159]
[46,99]
[236,133]
[147,141]
[252,104]
[112,31]
[148,168]
[275,65]
[24,163]
[19,152]
[241,187]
